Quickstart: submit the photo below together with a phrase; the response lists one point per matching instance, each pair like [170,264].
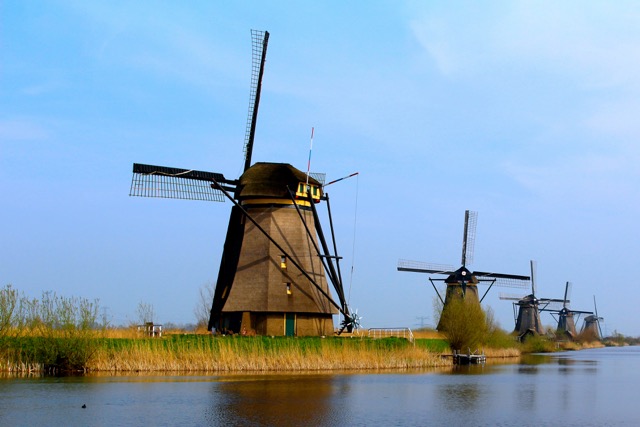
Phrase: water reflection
[453,396]
[294,400]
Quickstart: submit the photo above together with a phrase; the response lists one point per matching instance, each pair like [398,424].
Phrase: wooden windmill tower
[565,316]
[527,309]
[276,260]
[591,327]
[461,282]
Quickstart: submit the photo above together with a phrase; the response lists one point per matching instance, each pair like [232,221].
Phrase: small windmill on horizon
[527,309]
[566,317]
[591,325]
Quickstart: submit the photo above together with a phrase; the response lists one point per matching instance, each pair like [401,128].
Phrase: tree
[145,313]
[464,323]
[202,309]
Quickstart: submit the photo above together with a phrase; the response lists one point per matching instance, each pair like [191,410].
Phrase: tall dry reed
[227,354]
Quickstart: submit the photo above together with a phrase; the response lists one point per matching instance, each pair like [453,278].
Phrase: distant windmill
[591,326]
[527,316]
[566,319]
[276,260]
[461,282]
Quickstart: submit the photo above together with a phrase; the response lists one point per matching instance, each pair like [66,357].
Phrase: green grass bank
[205,353]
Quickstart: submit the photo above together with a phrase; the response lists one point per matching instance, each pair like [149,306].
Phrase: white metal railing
[391,332]
[150,330]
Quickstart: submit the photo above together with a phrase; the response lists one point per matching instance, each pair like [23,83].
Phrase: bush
[59,332]
[538,344]
[464,324]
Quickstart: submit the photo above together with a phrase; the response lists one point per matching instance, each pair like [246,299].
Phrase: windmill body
[276,264]
[566,324]
[462,283]
[528,321]
[591,328]
[258,288]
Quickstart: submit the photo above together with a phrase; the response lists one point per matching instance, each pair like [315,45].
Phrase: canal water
[597,387]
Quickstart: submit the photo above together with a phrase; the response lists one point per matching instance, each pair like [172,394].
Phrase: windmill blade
[510,297]
[174,183]
[534,268]
[338,180]
[550,304]
[424,267]
[259,42]
[469,237]
[505,280]
[567,294]
[598,318]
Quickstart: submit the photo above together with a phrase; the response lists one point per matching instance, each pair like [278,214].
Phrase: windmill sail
[469,236]
[174,183]
[260,40]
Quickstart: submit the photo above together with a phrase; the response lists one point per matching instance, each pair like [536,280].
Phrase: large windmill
[591,326]
[566,316]
[461,282]
[527,309]
[276,260]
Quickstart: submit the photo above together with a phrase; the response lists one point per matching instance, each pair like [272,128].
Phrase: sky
[526,112]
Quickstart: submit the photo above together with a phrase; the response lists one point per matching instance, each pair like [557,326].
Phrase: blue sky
[525,112]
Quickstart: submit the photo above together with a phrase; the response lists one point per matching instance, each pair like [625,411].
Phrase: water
[587,388]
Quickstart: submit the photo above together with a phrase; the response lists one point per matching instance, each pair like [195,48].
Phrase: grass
[205,353]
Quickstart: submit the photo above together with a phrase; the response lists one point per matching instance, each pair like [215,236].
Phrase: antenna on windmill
[309,161]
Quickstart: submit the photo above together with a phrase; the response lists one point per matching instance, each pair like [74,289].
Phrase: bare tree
[203,306]
[145,313]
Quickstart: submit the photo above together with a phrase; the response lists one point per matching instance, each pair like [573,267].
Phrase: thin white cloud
[595,43]
[21,129]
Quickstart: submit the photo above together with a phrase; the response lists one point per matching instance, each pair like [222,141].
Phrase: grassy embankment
[205,353]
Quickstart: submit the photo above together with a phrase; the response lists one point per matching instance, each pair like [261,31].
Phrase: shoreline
[203,353]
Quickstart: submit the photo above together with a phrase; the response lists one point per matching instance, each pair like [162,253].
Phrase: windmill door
[290,324]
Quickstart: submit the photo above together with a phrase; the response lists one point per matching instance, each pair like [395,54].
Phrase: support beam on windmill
[276,263]
[461,282]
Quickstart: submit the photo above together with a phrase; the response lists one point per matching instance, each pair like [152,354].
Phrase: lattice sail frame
[483,277]
[174,183]
[259,42]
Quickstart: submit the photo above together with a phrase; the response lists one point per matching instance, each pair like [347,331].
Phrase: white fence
[391,332]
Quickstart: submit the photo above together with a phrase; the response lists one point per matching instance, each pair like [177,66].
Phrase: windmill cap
[462,275]
[271,180]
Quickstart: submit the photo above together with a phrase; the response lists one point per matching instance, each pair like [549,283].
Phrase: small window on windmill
[288,285]
[283,262]
[315,190]
[301,192]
